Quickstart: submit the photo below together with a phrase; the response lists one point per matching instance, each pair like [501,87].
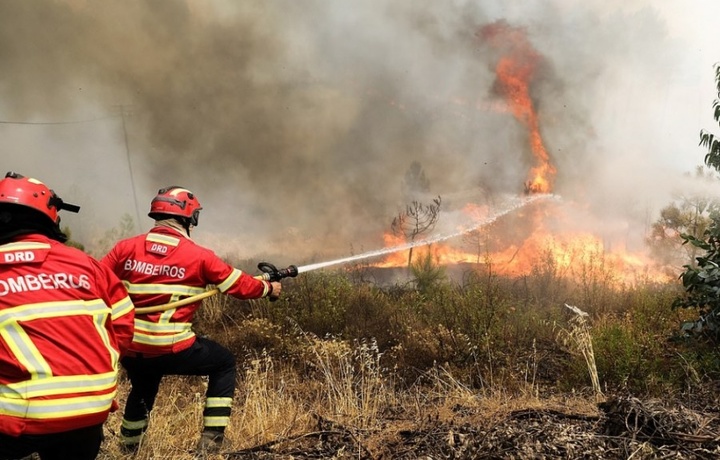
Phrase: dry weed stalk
[267,410]
[212,309]
[354,385]
[579,337]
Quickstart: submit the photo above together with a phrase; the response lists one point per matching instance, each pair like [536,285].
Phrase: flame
[536,249]
[515,70]
[544,238]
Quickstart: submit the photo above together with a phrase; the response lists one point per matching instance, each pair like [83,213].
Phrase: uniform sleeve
[232,281]
[110,260]
[123,311]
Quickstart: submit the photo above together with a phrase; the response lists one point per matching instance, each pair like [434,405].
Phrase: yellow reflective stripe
[23,246]
[122,308]
[150,327]
[24,350]
[216,421]
[160,340]
[105,337]
[57,385]
[164,239]
[218,402]
[171,289]
[56,408]
[40,310]
[131,440]
[20,343]
[166,316]
[230,280]
[134,425]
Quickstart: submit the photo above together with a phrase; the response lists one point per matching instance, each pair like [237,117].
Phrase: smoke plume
[295,122]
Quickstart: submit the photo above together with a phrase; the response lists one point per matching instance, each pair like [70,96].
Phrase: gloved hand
[276,290]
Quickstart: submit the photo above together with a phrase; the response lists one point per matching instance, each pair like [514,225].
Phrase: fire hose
[270,273]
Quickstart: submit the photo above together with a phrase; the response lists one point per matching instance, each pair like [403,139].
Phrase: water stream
[514,205]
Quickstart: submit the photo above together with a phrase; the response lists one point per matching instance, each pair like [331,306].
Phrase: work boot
[129,448]
[210,443]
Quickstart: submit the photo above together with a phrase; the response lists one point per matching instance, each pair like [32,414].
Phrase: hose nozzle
[272,273]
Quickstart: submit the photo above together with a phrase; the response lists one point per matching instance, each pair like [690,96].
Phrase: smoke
[295,122]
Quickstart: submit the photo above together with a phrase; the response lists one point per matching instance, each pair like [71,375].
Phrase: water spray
[272,273]
[515,205]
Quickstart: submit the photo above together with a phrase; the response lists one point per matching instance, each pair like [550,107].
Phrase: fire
[515,70]
[536,249]
[541,238]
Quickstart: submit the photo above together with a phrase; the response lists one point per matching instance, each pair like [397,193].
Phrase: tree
[701,279]
[428,272]
[689,215]
[125,229]
[70,241]
[417,219]
[707,139]
[415,183]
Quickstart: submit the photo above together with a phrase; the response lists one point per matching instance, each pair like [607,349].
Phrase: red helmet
[175,201]
[24,191]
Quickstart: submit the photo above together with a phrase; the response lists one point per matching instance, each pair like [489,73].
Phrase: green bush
[490,331]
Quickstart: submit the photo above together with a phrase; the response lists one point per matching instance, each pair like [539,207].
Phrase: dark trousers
[80,444]
[204,357]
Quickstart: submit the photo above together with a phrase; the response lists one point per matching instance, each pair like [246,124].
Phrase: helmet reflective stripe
[59,385]
[175,191]
[171,289]
[176,201]
[56,408]
[230,280]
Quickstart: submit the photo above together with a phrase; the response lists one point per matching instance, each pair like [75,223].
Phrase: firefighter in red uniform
[65,320]
[162,266]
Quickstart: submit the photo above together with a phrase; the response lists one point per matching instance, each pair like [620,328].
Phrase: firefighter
[162,266]
[65,320]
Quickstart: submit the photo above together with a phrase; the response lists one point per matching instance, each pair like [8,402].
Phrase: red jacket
[64,321]
[163,266]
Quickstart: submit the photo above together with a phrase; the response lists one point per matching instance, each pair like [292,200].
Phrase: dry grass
[451,357]
[579,339]
[348,388]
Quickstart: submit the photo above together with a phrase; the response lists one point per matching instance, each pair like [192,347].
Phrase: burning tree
[417,219]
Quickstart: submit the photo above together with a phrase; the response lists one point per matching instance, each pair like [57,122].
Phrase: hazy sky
[295,121]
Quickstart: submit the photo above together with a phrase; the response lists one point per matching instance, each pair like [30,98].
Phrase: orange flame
[521,243]
[515,70]
[565,253]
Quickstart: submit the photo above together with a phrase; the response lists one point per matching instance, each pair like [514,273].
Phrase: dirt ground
[620,428]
